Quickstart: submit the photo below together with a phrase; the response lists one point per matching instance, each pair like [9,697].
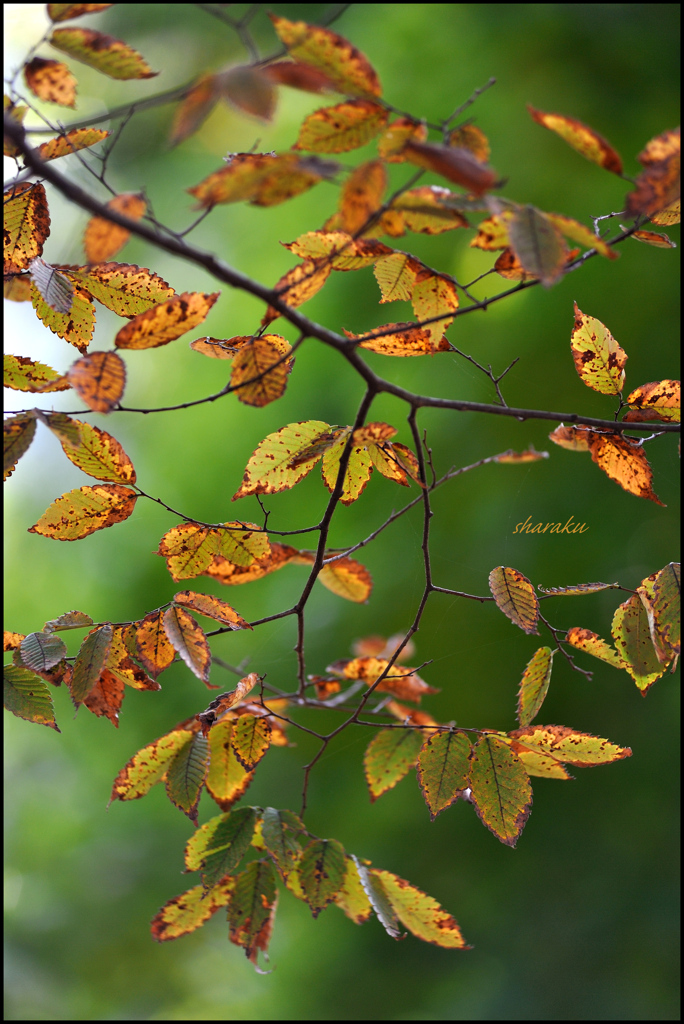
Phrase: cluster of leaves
[219,749]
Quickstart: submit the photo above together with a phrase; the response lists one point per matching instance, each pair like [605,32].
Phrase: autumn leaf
[68,620]
[249,90]
[24,374]
[297,286]
[109,56]
[624,461]
[388,758]
[90,661]
[454,164]
[65,12]
[26,225]
[99,379]
[225,701]
[646,591]
[537,244]
[514,458]
[515,597]
[281,832]
[339,248]
[102,238]
[535,763]
[252,908]
[575,439]
[599,360]
[443,769]
[392,141]
[232,575]
[327,52]
[492,233]
[432,296]
[63,145]
[124,288]
[582,138]
[591,643]
[227,780]
[658,186]
[404,339]
[500,789]
[344,127]
[534,685]
[150,764]
[27,696]
[632,637]
[152,645]
[578,232]
[76,326]
[212,607]
[285,457]
[671,214]
[80,512]
[184,913]
[352,898]
[425,210]
[18,432]
[167,321]
[252,377]
[52,286]
[569,746]
[262,179]
[298,75]
[361,195]
[659,400]
[321,871]
[188,639]
[419,913]
[106,697]
[469,136]
[186,773]
[666,605]
[250,739]
[347,578]
[578,588]
[217,847]
[399,680]
[50,80]
[396,274]
[358,471]
[120,664]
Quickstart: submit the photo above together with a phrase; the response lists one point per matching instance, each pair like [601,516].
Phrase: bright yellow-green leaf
[443,769]
[341,128]
[24,374]
[107,55]
[388,758]
[599,360]
[570,746]
[500,789]
[83,511]
[591,643]
[285,457]
[419,913]
[320,48]
[632,638]
[534,685]
[95,452]
[515,596]
[217,847]
[184,913]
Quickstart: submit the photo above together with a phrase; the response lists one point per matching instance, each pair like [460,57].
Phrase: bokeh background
[580,922]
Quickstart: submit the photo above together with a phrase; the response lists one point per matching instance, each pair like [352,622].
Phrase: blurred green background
[581,920]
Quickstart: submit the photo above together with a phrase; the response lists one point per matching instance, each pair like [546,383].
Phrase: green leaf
[27,696]
[281,831]
[217,847]
[252,908]
[90,661]
[500,789]
[388,758]
[321,870]
[534,685]
[443,769]
[186,774]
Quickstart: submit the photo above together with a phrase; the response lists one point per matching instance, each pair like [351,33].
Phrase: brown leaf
[51,80]
[624,461]
[248,89]
[658,186]
[100,379]
[299,76]
[458,165]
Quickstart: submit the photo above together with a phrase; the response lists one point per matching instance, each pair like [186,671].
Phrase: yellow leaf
[340,61]
[188,639]
[361,195]
[582,138]
[285,457]
[152,645]
[95,452]
[339,129]
[515,597]
[591,643]
[395,137]
[50,80]
[124,288]
[166,322]
[252,377]
[297,286]
[661,400]
[84,510]
[405,339]
[570,746]
[347,578]
[24,374]
[632,638]
[99,379]
[534,685]
[432,296]
[105,54]
[184,913]
[212,607]
[599,360]
[63,145]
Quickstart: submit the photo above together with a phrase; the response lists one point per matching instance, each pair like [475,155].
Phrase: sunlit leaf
[405,339]
[352,898]
[578,232]
[188,639]
[63,145]
[592,643]
[285,457]
[500,789]
[217,847]
[99,379]
[394,138]
[65,12]
[443,769]
[575,439]
[534,685]
[347,578]
[103,239]
[344,127]
[26,225]
[50,80]
[361,195]
[582,138]
[95,452]
[69,620]
[399,680]
[80,512]
[76,326]
[152,644]
[24,374]
[599,360]
[632,638]
[388,758]
[666,605]
[658,186]
[326,51]
[580,749]
[252,377]
[184,913]
[167,321]
[515,596]
[227,780]
[109,56]
[658,400]
[423,210]
[52,286]
[225,701]
[432,296]
[469,136]
[515,458]
[419,913]
[579,588]
[624,461]
[212,607]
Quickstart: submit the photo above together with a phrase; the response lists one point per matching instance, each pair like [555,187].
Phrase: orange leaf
[212,607]
[152,645]
[84,510]
[102,238]
[599,360]
[63,145]
[658,186]
[575,439]
[400,680]
[403,340]
[231,574]
[252,377]
[424,210]
[515,597]
[189,641]
[299,76]
[26,225]
[625,462]
[347,578]
[582,138]
[396,135]
[297,286]
[100,379]
[434,295]
[340,61]
[194,110]
[119,662]
[50,80]
[659,241]
[341,128]
[166,322]
[529,455]
[473,138]
[106,697]
[219,348]
[458,165]
[659,400]
[592,643]
[105,54]
[361,195]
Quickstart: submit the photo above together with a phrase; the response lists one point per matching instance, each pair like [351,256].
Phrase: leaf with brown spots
[297,286]
[667,605]
[212,608]
[388,758]
[24,374]
[186,774]
[52,81]
[27,696]
[250,739]
[646,591]
[227,780]
[286,457]
[569,746]
[396,275]
[578,232]
[18,432]
[80,512]
[151,764]
[534,685]
[64,145]
[189,911]
[125,288]
[100,380]
[120,663]
[672,214]
[579,588]
[424,210]
[659,400]
[102,238]
[399,680]
[106,697]
[188,639]
[434,296]
[341,250]
[252,907]
[443,769]
[500,789]
[76,326]
[166,322]
[655,238]
[392,141]
[342,128]
[419,913]
[575,439]
[658,186]
[632,638]
[592,643]
[109,56]
[515,597]
[261,369]
[230,574]
[26,225]
[152,644]
[493,233]
[469,136]
[624,461]
[404,339]
[599,360]
[320,48]
[98,454]
[361,195]
[225,701]
[581,137]
[321,872]
[53,287]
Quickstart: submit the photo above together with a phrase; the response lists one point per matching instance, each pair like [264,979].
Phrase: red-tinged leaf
[64,145]
[582,138]
[658,400]
[65,12]
[261,369]
[109,56]
[592,643]
[352,898]
[166,322]
[24,374]
[419,913]
[187,912]
[99,379]
[632,638]
[425,210]
[454,164]
[658,186]
[299,76]
[125,288]
[227,780]
[150,764]
[432,296]
[580,749]
[95,452]
[534,685]
[345,66]
[443,769]
[188,639]
[41,651]
[50,80]
[515,597]
[321,871]
[225,701]
[251,910]
[186,773]
[396,135]
[624,461]
[578,232]
[18,432]
[26,225]
[80,512]
[361,196]
[388,758]
[399,680]
[575,439]
[152,644]
[537,244]
[347,578]
[56,291]
[120,664]
[217,847]
[667,605]
[341,128]
[194,110]
[103,239]
[297,286]
[500,789]
[90,661]
[76,326]
[599,360]
[232,575]
[105,698]
[27,696]
[249,90]
[250,739]
[212,607]
[470,137]
[579,588]
[285,457]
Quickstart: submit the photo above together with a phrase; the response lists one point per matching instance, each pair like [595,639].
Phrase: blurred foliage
[579,922]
